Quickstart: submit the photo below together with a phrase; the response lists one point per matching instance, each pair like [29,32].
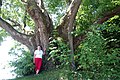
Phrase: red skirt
[38,63]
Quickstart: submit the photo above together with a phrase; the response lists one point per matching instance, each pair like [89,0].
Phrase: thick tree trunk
[43,29]
[42,21]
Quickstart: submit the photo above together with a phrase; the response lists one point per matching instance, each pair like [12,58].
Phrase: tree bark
[42,21]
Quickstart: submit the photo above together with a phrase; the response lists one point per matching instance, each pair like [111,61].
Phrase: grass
[63,74]
[58,74]
[46,75]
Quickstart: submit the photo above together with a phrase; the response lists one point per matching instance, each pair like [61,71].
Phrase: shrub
[59,53]
[95,60]
[23,62]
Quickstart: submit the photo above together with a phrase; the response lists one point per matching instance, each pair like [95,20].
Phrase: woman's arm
[44,52]
[34,57]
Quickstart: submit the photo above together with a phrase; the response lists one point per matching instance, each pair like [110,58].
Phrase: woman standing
[38,58]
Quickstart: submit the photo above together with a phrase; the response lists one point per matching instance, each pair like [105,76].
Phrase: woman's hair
[40,47]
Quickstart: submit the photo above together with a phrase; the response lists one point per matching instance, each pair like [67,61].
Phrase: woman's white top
[38,53]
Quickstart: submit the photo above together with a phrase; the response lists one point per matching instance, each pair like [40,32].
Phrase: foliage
[99,7]
[111,32]
[54,5]
[95,60]
[59,52]
[23,61]
[98,56]
[2,35]
[56,9]
[14,12]
[90,11]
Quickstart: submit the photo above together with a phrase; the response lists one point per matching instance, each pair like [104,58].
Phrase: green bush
[95,60]
[59,52]
[23,62]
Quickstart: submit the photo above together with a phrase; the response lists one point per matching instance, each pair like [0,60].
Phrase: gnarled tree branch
[109,14]
[20,37]
[68,19]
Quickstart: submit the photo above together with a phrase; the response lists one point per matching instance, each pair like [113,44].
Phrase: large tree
[44,24]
